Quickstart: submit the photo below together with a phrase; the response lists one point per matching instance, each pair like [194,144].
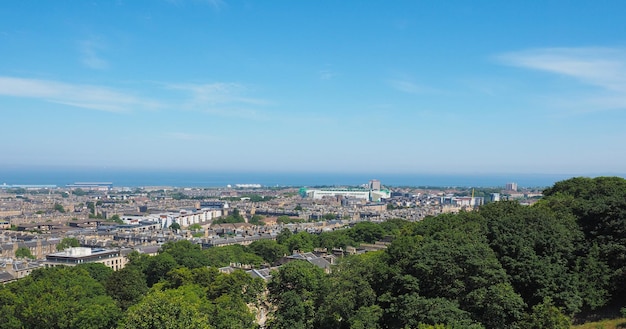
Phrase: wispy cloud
[217,99]
[77,95]
[604,68]
[223,99]
[326,74]
[90,54]
[216,4]
[411,87]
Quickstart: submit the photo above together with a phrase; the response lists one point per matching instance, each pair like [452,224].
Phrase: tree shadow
[621,325]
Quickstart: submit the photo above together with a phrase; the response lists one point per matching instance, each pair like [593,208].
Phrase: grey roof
[6,276]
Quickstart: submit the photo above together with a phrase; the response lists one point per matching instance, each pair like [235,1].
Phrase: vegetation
[67,243]
[116,218]
[503,266]
[235,217]
[284,219]
[23,252]
[58,207]
[256,220]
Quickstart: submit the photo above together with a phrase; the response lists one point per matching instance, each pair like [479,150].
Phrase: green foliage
[126,286]
[195,227]
[224,256]
[62,297]
[67,243]
[157,267]
[269,250]
[296,291]
[599,206]
[185,253]
[366,232]
[235,217]
[537,248]
[24,252]
[256,220]
[301,241]
[79,192]
[116,218]
[546,316]
[58,207]
[284,219]
[175,226]
[336,239]
[98,271]
[181,308]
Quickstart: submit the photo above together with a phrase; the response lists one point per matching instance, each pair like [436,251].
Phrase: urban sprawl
[110,222]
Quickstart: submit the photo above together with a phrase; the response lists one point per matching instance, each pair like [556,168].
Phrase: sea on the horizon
[214,179]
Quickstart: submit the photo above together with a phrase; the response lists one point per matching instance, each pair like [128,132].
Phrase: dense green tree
[185,253]
[224,256]
[67,243]
[8,301]
[546,316]
[366,232]
[297,291]
[336,239]
[98,271]
[234,217]
[599,206]
[256,220]
[269,250]
[24,252]
[180,308]
[63,297]
[127,286]
[116,218]
[158,266]
[283,236]
[537,248]
[302,241]
[58,207]
[351,300]
[231,312]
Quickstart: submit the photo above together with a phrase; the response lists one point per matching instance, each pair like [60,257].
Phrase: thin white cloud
[327,74]
[410,87]
[603,68]
[216,4]
[217,99]
[90,57]
[76,95]
[222,99]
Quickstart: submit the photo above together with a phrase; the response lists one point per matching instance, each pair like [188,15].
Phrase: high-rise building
[375,185]
[511,187]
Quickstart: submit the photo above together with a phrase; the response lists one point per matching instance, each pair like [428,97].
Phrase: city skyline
[402,87]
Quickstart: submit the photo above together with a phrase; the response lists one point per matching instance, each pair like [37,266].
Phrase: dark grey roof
[6,276]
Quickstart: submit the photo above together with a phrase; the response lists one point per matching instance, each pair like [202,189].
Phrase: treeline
[504,266]
[178,288]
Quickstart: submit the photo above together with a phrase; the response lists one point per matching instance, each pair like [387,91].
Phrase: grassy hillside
[604,324]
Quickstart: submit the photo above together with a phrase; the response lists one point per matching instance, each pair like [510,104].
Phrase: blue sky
[324,86]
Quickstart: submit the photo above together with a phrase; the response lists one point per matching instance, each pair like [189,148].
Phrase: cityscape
[227,164]
[105,217]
